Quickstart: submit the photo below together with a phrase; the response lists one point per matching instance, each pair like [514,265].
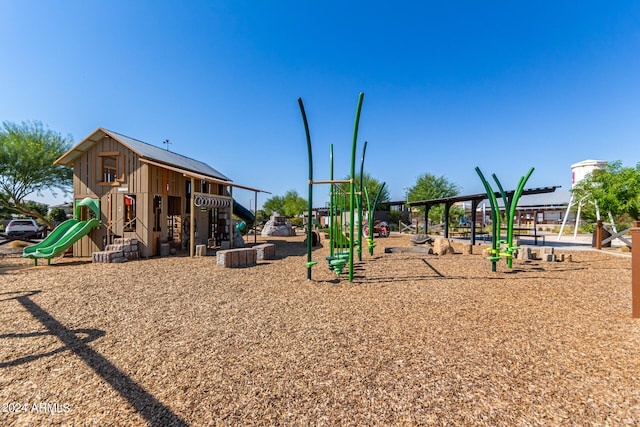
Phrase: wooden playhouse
[152,195]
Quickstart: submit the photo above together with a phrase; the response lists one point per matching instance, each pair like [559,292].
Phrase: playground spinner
[497,250]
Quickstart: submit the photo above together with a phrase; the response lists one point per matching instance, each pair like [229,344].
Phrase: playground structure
[379,227]
[164,200]
[340,201]
[67,233]
[497,251]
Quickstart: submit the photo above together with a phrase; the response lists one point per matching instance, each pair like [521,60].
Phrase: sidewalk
[582,242]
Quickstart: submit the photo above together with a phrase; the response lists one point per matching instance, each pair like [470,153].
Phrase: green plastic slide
[66,234]
[57,243]
[52,238]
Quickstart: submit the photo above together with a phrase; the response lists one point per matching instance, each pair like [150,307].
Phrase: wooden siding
[86,183]
[142,180]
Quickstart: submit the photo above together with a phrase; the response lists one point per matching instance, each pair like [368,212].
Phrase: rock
[284,230]
[545,250]
[524,254]
[421,239]
[442,246]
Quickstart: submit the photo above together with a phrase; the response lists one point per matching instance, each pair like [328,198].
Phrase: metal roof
[556,199]
[481,196]
[163,156]
[145,151]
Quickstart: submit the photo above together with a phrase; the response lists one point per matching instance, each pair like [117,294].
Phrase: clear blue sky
[448,86]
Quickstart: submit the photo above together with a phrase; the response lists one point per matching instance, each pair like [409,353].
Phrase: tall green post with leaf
[497,250]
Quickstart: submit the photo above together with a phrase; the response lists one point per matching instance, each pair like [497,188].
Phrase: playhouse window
[110,168]
[129,212]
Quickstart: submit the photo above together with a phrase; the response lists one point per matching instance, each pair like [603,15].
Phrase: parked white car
[23,227]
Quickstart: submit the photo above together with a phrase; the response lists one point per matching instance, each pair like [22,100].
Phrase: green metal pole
[352,185]
[310,263]
[495,223]
[512,211]
[343,233]
[369,240]
[364,151]
[505,200]
[359,239]
[375,201]
[518,193]
[340,225]
[507,208]
[371,216]
[332,205]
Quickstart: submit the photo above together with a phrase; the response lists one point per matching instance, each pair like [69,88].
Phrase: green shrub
[296,222]
[57,215]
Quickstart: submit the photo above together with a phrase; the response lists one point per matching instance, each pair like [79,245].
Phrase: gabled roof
[145,151]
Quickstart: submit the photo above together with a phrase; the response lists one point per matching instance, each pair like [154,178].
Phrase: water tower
[581,169]
[578,172]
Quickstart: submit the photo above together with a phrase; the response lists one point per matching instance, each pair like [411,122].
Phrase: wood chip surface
[416,339]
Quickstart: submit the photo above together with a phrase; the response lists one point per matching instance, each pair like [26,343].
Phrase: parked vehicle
[23,228]
[381,228]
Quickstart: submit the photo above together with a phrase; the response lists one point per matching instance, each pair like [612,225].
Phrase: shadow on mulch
[285,249]
[432,267]
[144,402]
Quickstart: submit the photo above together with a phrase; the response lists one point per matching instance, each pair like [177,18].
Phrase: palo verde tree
[7,212]
[428,187]
[370,183]
[615,189]
[290,205]
[27,153]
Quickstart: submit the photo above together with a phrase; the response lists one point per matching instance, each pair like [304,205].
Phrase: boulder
[442,246]
[273,229]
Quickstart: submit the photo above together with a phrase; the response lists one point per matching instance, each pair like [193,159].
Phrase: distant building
[547,208]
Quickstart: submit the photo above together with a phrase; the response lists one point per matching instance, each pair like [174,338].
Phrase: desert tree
[27,153]
[371,184]
[429,186]
[615,189]
[290,205]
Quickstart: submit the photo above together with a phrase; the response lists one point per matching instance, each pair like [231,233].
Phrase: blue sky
[448,86]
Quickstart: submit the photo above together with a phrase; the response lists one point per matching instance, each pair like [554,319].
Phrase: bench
[528,232]
[235,258]
[465,232]
[265,251]
[462,231]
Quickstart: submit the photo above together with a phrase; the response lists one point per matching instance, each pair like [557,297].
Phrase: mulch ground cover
[416,339]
